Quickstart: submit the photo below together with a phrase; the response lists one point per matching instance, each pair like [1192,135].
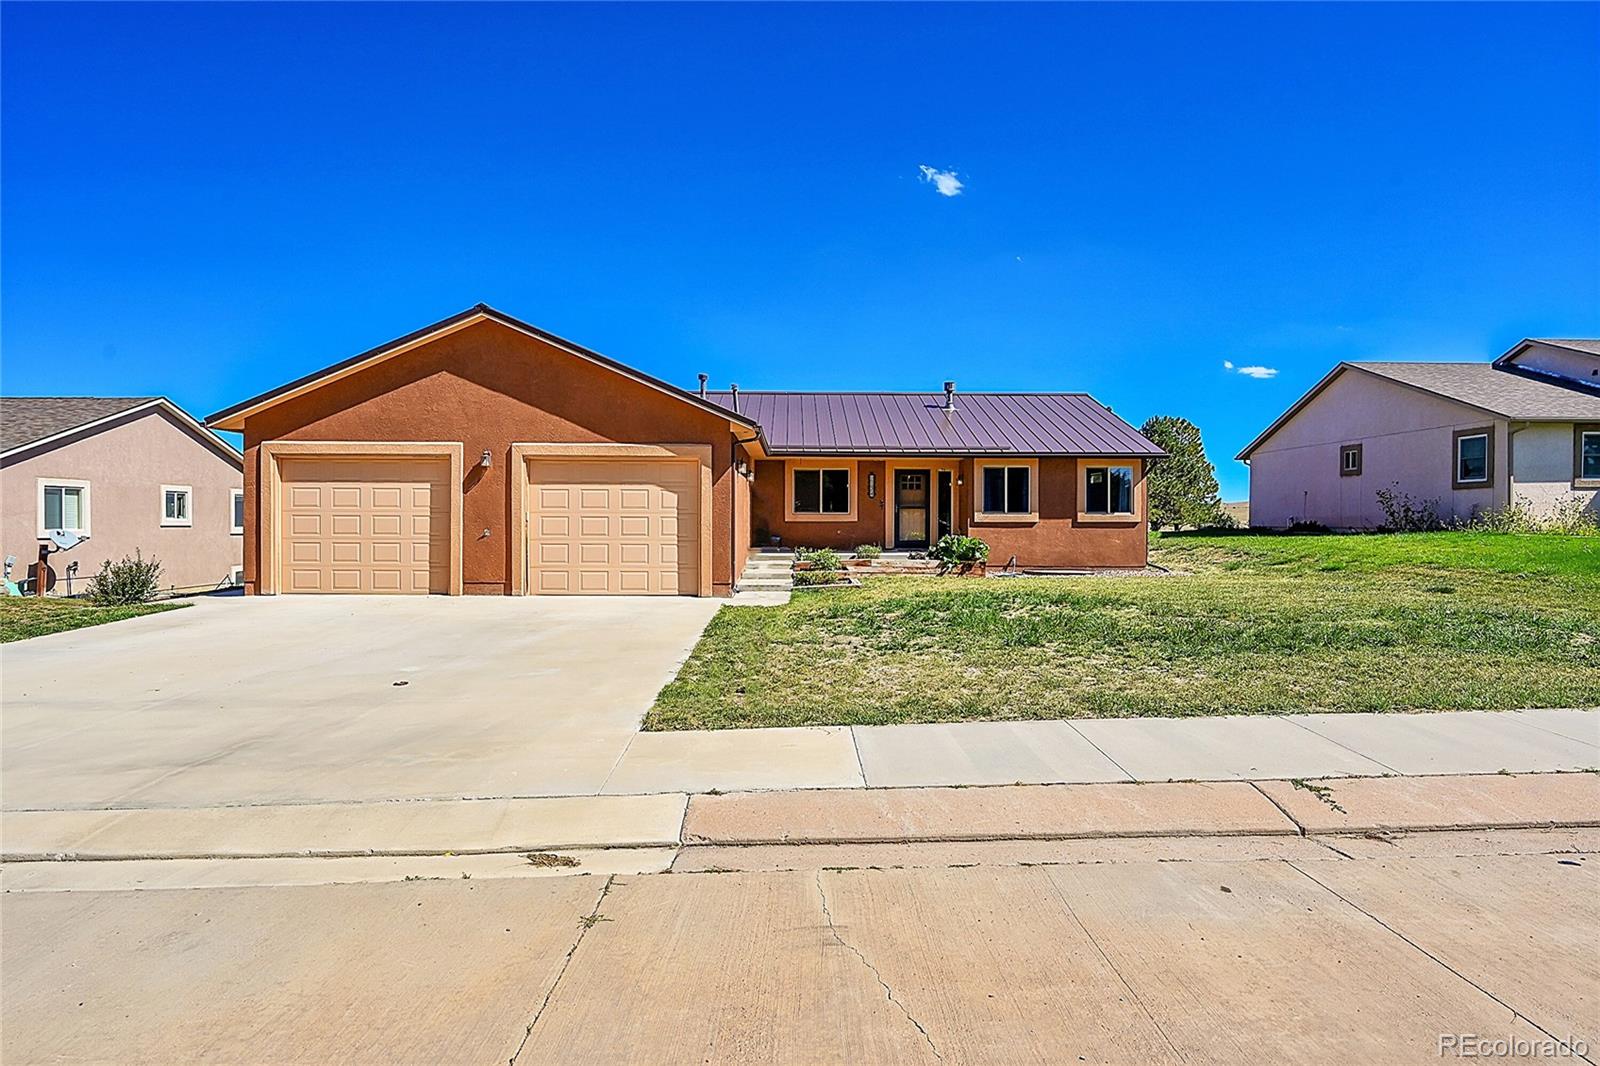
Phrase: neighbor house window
[64,505]
[175,505]
[822,492]
[1350,460]
[1007,490]
[1108,490]
[1586,456]
[237,499]
[1474,456]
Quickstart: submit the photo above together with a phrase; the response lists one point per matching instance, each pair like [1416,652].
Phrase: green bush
[133,580]
[1569,517]
[1402,514]
[868,551]
[817,577]
[823,559]
[953,550]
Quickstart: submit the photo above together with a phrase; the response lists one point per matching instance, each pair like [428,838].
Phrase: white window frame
[235,507]
[83,502]
[188,519]
[1488,459]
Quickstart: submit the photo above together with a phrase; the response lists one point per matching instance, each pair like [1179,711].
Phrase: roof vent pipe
[734,389]
[703,379]
[949,396]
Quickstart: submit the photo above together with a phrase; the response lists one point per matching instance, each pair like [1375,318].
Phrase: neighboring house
[483,455]
[134,474]
[1472,436]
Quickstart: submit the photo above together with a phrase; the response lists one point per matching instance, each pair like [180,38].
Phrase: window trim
[177,523]
[851,483]
[1350,449]
[1028,517]
[1136,497]
[86,493]
[234,506]
[1579,429]
[1487,432]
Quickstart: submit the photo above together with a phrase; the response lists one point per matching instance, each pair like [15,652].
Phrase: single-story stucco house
[484,455]
[1474,437]
[136,474]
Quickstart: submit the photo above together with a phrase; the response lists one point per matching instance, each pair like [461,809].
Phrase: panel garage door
[365,526]
[628,527]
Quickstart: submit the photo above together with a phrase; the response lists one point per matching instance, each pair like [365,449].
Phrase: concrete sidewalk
[1082,750]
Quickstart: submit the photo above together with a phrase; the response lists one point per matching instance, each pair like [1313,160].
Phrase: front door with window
[911,509]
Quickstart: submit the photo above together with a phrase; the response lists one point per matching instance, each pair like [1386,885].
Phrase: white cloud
[944,180]
[1227,365]
[1260,373]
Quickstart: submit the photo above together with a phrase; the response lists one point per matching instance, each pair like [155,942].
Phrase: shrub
[1402,514]
[135,580]
[953,550]
[1569,517]
[825,560]
[868,551]
[817,577]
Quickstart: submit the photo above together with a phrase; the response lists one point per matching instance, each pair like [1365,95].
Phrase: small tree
[1181,490]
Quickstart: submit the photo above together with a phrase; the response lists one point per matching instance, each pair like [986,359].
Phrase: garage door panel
[605,527]
[365,526]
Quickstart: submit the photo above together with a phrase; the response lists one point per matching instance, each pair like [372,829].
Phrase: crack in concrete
[586,923]
[887,991]
[1436,960]
[1148,1013]
[1298,828]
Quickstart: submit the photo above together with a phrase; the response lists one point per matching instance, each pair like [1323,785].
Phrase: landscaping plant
[868,551]
[133,580]
[954,550]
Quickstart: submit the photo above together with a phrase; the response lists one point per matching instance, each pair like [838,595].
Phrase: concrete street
[1216,950]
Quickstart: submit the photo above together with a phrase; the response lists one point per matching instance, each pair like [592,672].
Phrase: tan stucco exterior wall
[1407,436]
[488,386]
[126,465]
[1542,468]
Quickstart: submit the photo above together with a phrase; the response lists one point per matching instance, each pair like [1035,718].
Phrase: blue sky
[208,200]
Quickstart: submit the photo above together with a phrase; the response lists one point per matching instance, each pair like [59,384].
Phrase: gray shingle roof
[1483,385]
[915,423]
[1577,344]
[25,419]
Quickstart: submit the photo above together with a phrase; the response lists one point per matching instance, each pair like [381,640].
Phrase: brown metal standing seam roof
[916,423]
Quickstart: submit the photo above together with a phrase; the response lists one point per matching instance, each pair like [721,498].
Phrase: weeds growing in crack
[1322,792]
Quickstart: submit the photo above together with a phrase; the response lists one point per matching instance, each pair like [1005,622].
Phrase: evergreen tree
[1182,488]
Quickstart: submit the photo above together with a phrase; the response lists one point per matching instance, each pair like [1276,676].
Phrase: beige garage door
[614,527]
[364,526]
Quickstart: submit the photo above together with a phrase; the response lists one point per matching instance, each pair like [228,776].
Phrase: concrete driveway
[304,699]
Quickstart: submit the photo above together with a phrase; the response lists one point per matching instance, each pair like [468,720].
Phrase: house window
[63,505]
[1007,490]
[1586,456]
[1474,458]
[237,499]
[1108,490]
[1350,460]
[822,492]
[175,505]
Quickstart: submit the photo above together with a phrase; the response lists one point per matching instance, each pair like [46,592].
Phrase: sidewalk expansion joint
[586,923]
[1281,808]
[1515,1013]
[887,991]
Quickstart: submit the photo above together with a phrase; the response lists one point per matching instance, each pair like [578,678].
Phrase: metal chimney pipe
[703,379]
[734,389]
[949,396]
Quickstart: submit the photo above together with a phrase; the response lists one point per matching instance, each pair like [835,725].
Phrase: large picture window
[1007,490]
[821,492]
[1108,490]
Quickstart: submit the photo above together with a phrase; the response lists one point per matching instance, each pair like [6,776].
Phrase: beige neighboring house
[134,474]
[1471,437]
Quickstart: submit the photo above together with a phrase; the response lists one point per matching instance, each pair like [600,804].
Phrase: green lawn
[1255,624]
[24,617]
